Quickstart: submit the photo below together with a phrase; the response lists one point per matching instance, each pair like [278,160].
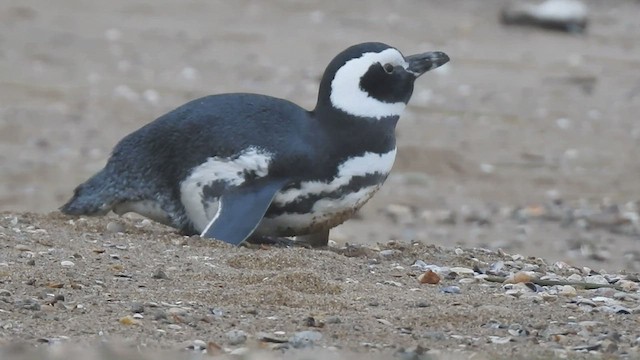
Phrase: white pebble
[596,279]
[567,290]
[67,263]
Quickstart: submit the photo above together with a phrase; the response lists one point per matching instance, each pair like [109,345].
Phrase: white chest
[320,211]
[343,196]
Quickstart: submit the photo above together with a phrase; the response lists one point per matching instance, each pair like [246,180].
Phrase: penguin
[241,166]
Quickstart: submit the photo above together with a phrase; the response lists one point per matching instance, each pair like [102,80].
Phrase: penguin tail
[91,198]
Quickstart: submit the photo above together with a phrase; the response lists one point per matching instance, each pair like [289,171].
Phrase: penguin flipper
[241,210]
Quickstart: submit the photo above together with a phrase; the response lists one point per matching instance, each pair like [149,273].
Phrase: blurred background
[527,141]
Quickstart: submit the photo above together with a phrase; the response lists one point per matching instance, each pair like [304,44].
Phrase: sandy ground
[525,142]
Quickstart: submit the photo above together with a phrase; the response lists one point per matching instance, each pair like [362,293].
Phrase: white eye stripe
[347,95]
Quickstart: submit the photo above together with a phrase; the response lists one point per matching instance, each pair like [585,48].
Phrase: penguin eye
[388,68]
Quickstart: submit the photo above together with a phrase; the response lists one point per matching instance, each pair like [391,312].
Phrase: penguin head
[373,80]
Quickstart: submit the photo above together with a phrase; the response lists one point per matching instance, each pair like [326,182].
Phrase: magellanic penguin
[243,166]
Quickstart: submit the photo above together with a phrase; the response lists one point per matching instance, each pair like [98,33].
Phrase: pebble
[574,278]
[67,263]
[520,277]
[567,290]
[236,337]
[471,280]
[628,285]
[389,253]
[304,339]
[429,277]
[22,247]
[461,270]
[114,227]
[129,320]
[197,345]
[177,311]
[451,289]
[137,308]
[500,340]
[596,279]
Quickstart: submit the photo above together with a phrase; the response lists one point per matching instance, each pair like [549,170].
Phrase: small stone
[137,308]
[587,302]
[421,265]
[461,270]
[628,285]
[451,289]
[236,337]
[5,293]
[177,311]
[241,352]
[67,263]
[500,340]
[596,279]
[22,247]
[174,326]
[470,280]
[115,227]
[567,290]
[429,277]
[128,320]
[198,345]
[574,278]
[387,254]
[138,316]
[520,277]
[304,339]
[332,320]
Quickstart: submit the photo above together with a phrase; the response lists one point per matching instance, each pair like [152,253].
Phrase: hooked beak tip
[421,63]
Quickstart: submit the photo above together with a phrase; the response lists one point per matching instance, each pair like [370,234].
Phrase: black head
[373,80]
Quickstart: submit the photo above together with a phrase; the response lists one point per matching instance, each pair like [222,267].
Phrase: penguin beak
[421,63]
